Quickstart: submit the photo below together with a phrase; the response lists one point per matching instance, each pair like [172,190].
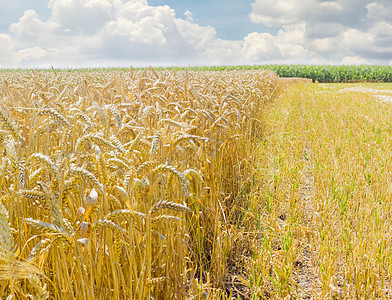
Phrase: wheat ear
[50,229]
[113,110]
[8,125]
[88,176]
[48,163]
[172,170]
[6,241]
[124,213]
[171,123]
[170,205]
[145,165]
[154,143]
[55,115]
[39,248]
[96,139]
[106,223]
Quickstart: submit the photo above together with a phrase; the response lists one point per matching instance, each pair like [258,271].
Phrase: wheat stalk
[8,125]
[192,173]
[106,223]
[96,139]
[165,218]
[172,170]
[146,165]
[88,176]
[86,119]
[39,248]
[60,119]
[162,204]
[115,141]
[50,229]
[6,240]
[170,122]
[48,163]
[12,155]
[113,110]
[155,141]
[124,213]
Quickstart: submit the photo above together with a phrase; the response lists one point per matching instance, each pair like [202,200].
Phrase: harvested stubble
[325,203]
[126,185]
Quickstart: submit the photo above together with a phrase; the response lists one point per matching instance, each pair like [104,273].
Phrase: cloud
[280,12]
[354,60]
[333,30]
[93,32]
[6,51]
[288,12]
[82,16]
[285,46]
[379,10]
[188,15]
[83,33]
[31,31]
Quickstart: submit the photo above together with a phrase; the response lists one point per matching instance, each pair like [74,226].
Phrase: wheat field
[325,200]
[131,184]
[175,184]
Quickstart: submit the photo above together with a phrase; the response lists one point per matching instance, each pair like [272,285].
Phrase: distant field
[320,73]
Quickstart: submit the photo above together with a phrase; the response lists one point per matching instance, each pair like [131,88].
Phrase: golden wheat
[121,184]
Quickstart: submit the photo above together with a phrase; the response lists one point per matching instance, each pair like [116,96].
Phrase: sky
[124,33]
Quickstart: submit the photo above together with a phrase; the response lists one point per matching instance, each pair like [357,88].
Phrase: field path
[306,277]
[327,174]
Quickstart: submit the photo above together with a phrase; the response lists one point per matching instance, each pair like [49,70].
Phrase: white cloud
[34,53]
[261,46]
[82,33]
[280,12]
[333,30]
[86,16]
[287,12]
[30,31]
[189,16]
[379,10]
[223,52]
[88,32]
[354,60]
[7,58]
[324,45]
[356,40]
[285,46]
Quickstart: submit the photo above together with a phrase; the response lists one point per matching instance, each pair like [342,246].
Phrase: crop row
[320,73]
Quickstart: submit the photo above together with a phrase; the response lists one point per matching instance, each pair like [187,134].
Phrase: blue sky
[230,18]
[87,33]
[11,11]
[232,22]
